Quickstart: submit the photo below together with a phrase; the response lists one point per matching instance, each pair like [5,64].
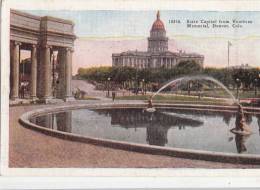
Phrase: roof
[60,20]
[164,53]
[158,24]
[133,53]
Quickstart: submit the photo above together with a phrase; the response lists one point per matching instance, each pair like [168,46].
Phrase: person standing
[113,95]
[22,91]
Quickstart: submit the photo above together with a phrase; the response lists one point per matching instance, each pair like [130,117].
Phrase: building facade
[157,54]
[42,36]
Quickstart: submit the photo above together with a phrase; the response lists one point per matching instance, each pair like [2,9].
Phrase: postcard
[130,91]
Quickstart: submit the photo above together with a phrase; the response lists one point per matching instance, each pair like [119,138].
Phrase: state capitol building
[157,54]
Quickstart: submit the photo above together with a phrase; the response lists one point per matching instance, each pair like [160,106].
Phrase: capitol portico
[157,54]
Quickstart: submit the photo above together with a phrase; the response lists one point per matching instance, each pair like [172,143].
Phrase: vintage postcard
[129,91]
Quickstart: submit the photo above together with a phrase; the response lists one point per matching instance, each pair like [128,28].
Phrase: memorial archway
[44,37]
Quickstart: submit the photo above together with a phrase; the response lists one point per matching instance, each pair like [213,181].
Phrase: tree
[188,67]
[128,76]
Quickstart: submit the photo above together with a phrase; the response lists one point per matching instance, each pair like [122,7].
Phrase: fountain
[174,129]
[188,78]
[241,128]
[150,107]
[199,78]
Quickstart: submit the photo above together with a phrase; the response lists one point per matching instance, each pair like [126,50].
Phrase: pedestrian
[113,95]
[22,89]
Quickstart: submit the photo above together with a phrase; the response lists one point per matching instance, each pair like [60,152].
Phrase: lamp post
[237,81]
[133,85]
[255,82]
[189,83]
[143,86]
[108,80]
[136,83]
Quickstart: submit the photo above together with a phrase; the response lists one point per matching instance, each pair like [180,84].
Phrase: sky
[103,32]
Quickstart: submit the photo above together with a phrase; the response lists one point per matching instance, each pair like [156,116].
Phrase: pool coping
[137,147]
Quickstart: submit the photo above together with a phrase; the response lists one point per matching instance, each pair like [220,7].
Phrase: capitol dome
[158,24]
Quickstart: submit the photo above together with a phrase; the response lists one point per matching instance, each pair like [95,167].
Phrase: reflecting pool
[171,127]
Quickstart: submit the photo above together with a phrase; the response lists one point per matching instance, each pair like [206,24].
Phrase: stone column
[61,79]
[68,74]
[113,61]
[14,94]
[33,72]
[47,73]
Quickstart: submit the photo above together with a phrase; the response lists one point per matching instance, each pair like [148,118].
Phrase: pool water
[170,127]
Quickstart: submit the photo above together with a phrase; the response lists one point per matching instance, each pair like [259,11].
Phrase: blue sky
[103,23]
[114,31]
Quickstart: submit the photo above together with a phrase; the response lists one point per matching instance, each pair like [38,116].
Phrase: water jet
[241,128]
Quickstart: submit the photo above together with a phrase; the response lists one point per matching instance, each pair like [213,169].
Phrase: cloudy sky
[101,33]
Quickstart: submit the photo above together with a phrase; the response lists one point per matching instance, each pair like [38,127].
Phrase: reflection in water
[157,135]
[248,119]
[137,117]
[240,143]
[156,123]
[227,117]
[165,127]
[258,122]
[59,121]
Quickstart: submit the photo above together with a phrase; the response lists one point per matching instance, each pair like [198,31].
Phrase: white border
[221,178]
[5,61]
[208,5]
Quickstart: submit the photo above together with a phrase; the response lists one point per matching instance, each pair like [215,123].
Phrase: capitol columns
[33,72]
[15,48]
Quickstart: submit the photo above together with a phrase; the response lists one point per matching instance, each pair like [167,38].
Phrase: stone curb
[141,148]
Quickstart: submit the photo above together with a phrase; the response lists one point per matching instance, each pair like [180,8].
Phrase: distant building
[157,54]
[242,66]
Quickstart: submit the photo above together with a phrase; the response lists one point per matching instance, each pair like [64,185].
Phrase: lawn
[223,94]
[175,99]
[88,98]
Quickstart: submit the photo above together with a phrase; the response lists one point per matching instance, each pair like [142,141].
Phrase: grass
[223,94]
[88,98]
[174,99]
